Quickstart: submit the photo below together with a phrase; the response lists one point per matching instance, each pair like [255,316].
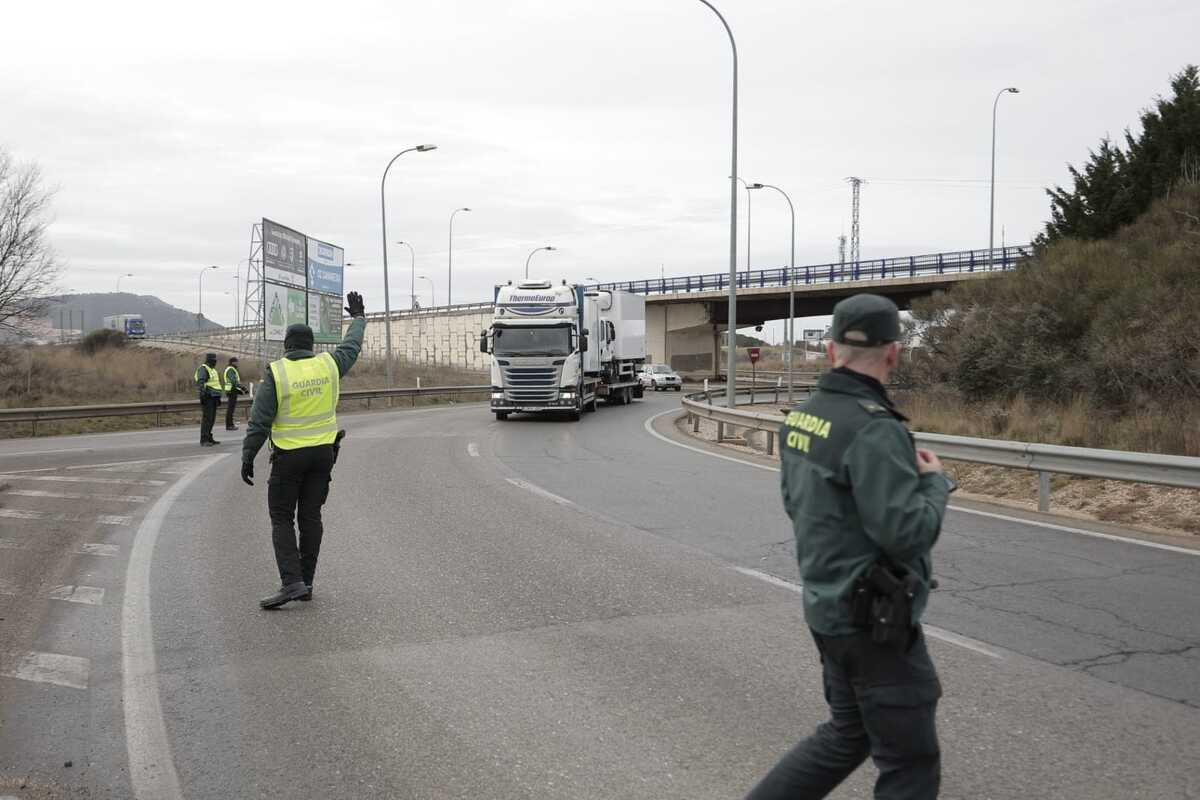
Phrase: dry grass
[61,375]
[1077,424]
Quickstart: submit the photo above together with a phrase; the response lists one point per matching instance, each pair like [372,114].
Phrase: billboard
[814,334]
[282,306]
[302,282]
[325,266]
[325,317]
[283,254]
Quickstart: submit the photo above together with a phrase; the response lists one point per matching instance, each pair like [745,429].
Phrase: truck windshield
[136,326]
[532,341]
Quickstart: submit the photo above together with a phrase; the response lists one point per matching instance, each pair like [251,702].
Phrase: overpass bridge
[685,316]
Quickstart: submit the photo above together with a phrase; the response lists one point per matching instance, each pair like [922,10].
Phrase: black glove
[354,305]
[248,472]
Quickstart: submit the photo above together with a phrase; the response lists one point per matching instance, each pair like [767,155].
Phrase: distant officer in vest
[296,408]
[866,507]
[208,385]
[233,389]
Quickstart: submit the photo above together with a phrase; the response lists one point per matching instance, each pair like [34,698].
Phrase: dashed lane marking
[95,549]
[116,498]
[1021,520]
[539,491]
[472,450]
[55,668]
[72,479]
[965,642]
[87,595]
[134,462]
[46,516]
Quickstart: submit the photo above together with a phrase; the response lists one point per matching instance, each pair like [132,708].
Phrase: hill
[160,317]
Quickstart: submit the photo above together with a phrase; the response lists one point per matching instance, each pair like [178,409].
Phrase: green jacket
[265,406]
[851,487]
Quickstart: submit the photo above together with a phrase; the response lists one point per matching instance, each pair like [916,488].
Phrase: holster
[881,600]
[337,444]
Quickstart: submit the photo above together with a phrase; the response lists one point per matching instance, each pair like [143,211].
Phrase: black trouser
[230,405]
[208,416]
[882,702]
[296,490]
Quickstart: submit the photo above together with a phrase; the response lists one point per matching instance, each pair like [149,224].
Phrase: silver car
[660,378]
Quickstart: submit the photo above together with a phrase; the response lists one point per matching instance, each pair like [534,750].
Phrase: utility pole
[855,189]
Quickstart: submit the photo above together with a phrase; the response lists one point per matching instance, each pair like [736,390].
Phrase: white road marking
[1049,525]
[88,595]
[16,513]
[650,429]
[93,549]
[135,462]
[70,479]
[59,451]
[1081,531]
[472,450]
[53,668]
[102,519]
[529,487]
[942,634]
[116,498]
[151,764]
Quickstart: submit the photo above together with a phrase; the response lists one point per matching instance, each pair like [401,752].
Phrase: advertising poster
[283,306]
[284,256]
[325,318]
[326,263]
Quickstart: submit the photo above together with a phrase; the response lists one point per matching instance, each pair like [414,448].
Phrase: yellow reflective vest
[306,392]
[214,380]
[232,381]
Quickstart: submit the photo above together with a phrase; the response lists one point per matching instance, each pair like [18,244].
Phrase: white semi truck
[563,348]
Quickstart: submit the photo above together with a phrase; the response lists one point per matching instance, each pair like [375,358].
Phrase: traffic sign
[755,352]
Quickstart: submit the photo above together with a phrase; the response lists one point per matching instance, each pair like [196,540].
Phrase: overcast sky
[599,128]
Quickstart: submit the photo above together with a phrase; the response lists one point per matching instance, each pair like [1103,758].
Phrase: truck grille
[531,384]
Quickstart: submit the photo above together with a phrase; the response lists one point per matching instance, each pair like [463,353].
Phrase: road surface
[535,609]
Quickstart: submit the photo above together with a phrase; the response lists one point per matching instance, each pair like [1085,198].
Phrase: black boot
[307,595]
[286,594]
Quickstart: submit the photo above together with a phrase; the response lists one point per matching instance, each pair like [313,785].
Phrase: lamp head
[755,186]
[421,148]
[548,247]
[464,209]
[1013,90]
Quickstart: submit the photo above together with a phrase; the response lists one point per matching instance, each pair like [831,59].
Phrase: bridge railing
[1044,459]
[1000,258]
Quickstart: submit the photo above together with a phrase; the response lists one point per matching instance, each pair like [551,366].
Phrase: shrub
[102,339]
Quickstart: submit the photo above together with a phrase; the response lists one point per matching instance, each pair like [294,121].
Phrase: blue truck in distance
[132,325]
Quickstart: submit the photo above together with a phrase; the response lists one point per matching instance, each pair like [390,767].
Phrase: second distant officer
[233,389]
[866,507]
[208,386]
[296,408]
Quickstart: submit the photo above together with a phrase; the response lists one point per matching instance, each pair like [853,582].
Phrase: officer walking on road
[296,407]
[208,384]
[233,389]
[866,507]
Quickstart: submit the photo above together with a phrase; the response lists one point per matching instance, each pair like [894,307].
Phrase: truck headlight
[497,395]
[567,394]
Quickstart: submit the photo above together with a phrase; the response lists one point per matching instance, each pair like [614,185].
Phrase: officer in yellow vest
[233,389]
[208,385]
[296,407]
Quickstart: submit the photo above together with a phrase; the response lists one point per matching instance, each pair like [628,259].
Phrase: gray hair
[848,355]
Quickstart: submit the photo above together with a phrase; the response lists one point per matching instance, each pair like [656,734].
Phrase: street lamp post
[387,303]
[731,382]
[412,276]
[547,247]
[200,296]
[749,209]
[432,291]
[450,257]
[791,326]
[119,277]
[992,204]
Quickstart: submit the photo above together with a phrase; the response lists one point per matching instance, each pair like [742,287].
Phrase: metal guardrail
[1044,459]
[51,413]
[999,258]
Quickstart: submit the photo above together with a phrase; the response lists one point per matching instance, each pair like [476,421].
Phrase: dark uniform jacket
[262,412]
[851,487]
